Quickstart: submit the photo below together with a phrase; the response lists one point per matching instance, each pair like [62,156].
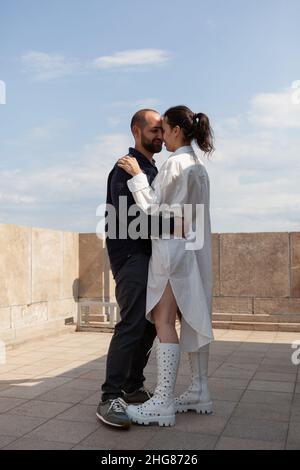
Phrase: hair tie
[196,119]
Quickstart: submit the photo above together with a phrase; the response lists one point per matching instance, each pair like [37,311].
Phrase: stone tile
[244,359]
[8,367]
[223,393]
[295,413]
[106,437]
[70,265]
[18,425]
[293,439]
[65,394]
[269,386]
[292,446]
[280,362]
[234,361]
[5,318]
[47,259]
[179,440]
[295,263]
[85,384]
[80,412]
[271,412]
[27,443]
[7,404]
[43,409]
[193,422]
[254,347]
[5,440]
[248,428]
[216,263]
[263,397]
[274,305]
[232,443]
[232,304]
[68,371]
[64,431]
[91,265]
[24,315]
[92,374]
[14,265]
[92,399]
[228,370]
[266,257]
[230,383]
[223,408]
[274,376]
[277,369]
[296,400]
[32,388]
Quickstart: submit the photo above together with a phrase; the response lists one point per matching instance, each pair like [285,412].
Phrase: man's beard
[151,146]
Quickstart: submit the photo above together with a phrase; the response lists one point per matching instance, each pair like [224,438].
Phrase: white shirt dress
[182,179]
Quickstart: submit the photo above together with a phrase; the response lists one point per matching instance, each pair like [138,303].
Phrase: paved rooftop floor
[49,390]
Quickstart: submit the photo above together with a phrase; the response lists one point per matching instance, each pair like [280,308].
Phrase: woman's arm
[144,195]
[149,198]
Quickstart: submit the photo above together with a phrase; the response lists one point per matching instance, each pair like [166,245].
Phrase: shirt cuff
[138,182]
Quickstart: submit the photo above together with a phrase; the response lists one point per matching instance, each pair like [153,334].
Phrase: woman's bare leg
[164,315]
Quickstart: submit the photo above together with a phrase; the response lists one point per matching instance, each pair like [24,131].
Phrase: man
[129,259]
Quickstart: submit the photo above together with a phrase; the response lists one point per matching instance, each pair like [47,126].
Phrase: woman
[180,269]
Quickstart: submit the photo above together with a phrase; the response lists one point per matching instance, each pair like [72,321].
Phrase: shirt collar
[139,156]
[184,149]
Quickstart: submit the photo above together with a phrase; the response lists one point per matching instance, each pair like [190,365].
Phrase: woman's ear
[176,131]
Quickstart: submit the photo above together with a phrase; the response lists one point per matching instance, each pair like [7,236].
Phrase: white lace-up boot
[160,408]
[197,396]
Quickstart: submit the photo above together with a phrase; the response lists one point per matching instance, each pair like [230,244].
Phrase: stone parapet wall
[44,273]
[39,278]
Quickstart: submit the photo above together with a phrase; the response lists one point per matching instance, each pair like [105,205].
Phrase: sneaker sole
[201,409]
[115,425]
[161,421]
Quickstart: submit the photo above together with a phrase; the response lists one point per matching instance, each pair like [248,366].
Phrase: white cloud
[134,57]
[63,195]
[276,110]
[255,169]
[43,66]
[141,103]
[254,176]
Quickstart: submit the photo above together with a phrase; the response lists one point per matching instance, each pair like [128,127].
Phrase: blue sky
[76,71]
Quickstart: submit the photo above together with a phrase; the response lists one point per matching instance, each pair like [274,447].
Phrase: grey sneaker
[113,412]
[138,396]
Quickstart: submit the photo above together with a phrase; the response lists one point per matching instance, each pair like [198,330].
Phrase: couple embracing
[160,276]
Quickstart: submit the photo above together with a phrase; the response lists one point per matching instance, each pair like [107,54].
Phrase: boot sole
[115,425]
[200,409]
[161,421]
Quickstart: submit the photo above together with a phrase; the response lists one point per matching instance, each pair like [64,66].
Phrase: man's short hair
[139,118]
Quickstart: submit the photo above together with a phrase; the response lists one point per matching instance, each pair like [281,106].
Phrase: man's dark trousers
[134,335]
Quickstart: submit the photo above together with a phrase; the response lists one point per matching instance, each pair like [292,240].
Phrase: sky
[76,71]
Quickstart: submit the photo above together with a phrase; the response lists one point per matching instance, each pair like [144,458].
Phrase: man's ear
[136,132]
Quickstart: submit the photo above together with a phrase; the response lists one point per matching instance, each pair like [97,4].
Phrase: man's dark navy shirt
[119,250]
